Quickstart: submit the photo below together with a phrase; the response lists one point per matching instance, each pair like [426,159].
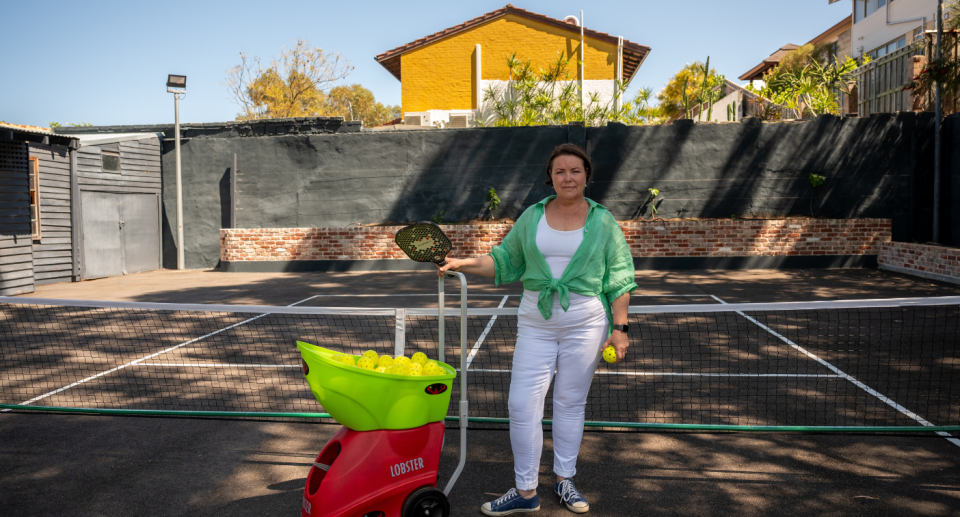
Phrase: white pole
[936,127]
[176,114]
[583,77]
[479,92]
[618,75]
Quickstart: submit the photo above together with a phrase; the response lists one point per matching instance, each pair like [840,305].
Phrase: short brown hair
[572,150]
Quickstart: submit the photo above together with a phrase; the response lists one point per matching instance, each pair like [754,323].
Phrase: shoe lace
[568,492]
[505,498]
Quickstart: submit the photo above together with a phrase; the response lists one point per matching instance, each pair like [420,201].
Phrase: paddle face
[424,242]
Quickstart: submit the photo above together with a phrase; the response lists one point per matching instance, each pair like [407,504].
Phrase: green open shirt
[601,267]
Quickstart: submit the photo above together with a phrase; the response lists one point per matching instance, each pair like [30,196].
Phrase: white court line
[599,372]
[142,359]
[394,294]
[678,374]
[215,365]
[917,418]
[476,347]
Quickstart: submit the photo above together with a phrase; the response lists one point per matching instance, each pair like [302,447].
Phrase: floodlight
[176,81]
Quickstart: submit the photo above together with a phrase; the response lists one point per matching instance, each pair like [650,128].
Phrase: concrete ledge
[921,274]
[757,262]
[656,263]
[301,266]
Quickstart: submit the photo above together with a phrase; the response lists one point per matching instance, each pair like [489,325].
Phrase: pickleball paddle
[424,242]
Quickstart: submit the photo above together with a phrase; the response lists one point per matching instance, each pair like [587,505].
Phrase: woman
[577,274]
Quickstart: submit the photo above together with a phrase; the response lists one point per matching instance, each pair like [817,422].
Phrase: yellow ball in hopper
[385,361]
[414,369]
[432,369]
[366,363]
[398,369]
[419,358]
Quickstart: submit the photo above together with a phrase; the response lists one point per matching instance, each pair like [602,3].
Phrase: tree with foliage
[688,88]
[804,85]
[293,85]
[545,96]
[532,97]
[354,102]
[82,123]
[638,111]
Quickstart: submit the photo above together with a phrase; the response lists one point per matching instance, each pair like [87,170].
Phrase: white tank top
[556,246]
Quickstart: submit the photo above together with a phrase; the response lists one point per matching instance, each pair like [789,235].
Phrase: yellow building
[443,75]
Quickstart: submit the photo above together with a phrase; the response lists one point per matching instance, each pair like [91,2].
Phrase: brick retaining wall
[933,262]
[673,238]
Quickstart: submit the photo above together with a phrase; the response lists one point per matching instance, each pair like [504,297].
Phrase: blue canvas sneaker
[570,497]
[511,502]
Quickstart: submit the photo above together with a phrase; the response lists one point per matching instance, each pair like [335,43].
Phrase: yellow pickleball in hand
[610,354]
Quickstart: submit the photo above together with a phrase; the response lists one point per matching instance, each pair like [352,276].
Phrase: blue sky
[106,62]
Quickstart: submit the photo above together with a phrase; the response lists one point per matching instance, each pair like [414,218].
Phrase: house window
[864,8]
[34,198]
[889,47]
[111,161]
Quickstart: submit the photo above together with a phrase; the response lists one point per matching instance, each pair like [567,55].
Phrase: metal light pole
[177,85]
[936,141]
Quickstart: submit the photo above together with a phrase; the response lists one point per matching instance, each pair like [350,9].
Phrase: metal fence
[880,82]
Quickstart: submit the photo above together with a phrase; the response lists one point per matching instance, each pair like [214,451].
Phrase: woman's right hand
[480,266]
[452,264]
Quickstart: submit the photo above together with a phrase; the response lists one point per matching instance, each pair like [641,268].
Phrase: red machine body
[371,473]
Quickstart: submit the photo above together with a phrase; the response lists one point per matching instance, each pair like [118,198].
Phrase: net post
[440,331]
[401,332]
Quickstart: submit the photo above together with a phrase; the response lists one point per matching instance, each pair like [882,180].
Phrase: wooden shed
[36,218]
[119,179]
[76,207]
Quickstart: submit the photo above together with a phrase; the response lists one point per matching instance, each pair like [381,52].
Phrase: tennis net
[864,365]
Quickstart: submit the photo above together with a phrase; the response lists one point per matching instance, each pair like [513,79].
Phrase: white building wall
[719,113]
[873,31]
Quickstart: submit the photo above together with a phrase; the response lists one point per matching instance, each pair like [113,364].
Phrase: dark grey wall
[318,172]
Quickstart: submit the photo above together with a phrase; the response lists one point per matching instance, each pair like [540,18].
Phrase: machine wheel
[426,502]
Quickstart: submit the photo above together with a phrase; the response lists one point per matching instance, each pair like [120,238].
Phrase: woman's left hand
[619,342]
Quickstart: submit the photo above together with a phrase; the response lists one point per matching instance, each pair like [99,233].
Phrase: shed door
[140,232]
[121,233]
[102,252]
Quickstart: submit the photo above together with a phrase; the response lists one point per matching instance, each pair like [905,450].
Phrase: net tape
[851,364]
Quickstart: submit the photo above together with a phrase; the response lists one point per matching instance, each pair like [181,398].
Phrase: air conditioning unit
[412,120]
[459,121]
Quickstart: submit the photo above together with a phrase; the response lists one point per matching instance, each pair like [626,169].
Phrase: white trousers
[568,344]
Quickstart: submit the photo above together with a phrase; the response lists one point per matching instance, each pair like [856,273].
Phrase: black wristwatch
[622,328]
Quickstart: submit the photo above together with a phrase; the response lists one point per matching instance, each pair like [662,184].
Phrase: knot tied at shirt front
[545,300]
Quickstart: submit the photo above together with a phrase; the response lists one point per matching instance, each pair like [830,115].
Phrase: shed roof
[633,53]
[37,134]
